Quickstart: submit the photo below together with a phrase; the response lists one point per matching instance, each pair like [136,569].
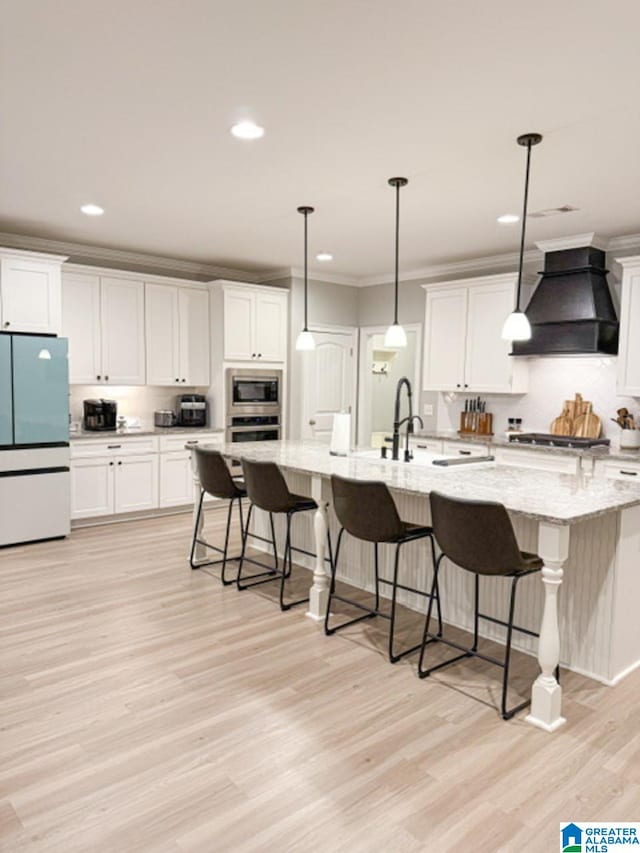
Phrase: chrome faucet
[397,423]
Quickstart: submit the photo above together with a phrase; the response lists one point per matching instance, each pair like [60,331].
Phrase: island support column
[546,693]
[200,553]
[319,592]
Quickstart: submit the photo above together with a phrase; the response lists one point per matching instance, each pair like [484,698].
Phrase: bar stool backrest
[266,486]
[214,475]
[366,509]
[475,535]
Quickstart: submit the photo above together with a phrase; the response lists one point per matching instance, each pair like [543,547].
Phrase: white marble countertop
[540,495]
[132,433]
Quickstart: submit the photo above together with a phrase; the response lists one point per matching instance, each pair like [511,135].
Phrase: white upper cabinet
[195,334]
[444,339]
[628,380]
[271,326]
[30,292]
[122,321]
[162,326]
[103,318]
[255,324]
[177,333]
[81,325]
[463,349]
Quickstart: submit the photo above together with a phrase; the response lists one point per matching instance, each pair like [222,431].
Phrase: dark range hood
[571,311]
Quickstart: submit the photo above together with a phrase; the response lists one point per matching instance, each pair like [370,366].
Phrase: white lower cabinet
[176,479]
[92,487]
[136,483]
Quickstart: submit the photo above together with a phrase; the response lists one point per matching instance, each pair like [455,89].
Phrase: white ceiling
[128,103]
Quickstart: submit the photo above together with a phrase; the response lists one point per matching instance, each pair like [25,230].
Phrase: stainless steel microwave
[255,391]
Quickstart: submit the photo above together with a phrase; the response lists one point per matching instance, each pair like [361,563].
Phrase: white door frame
[365,333]
[342,330]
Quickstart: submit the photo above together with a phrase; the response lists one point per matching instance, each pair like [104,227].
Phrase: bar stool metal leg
[286,572]
[224,550]
[260,577]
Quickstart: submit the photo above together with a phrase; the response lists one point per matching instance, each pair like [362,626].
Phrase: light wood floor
[145,708]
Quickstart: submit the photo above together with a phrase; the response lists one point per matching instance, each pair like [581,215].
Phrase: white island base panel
[597,586]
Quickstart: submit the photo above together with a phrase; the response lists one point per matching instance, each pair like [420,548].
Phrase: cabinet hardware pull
[106,378]
[629,473]
[119,462]
[259,355]
[7,323]
[191,442]
[466,385]
[184,380]
[458,385]
[113,446]
[110,463]
[464,452]
[98,376]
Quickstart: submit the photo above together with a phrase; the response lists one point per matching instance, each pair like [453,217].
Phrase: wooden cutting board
[562,425]
[587,425]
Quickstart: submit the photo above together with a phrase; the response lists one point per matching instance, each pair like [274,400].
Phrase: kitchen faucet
[397,423]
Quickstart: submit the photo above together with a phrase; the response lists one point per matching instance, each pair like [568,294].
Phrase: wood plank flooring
[146,709]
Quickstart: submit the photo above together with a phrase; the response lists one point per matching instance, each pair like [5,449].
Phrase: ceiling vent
[553,211]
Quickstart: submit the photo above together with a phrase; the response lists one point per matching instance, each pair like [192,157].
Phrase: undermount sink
[423,459]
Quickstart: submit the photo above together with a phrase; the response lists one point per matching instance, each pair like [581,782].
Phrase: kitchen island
[586,529]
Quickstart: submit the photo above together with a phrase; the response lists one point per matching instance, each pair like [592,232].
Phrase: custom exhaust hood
[571,311]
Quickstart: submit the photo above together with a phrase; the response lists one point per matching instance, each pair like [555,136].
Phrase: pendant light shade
[305,340]
[396,337]
[517,326]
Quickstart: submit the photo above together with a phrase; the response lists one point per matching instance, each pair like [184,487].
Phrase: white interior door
[329,382]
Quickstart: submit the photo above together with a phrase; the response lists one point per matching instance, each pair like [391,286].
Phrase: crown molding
[497,278]
[98,255]
[623,244]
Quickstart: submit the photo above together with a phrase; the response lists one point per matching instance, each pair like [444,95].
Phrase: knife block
[476,423]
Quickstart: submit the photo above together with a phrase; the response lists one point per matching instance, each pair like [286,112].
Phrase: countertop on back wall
[131,433]
[611,452]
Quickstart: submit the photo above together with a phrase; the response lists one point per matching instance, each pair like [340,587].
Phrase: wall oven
[253,392]
[253,428]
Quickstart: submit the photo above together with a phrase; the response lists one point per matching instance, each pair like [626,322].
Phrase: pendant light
[516,326]
[305,339]
[396,337]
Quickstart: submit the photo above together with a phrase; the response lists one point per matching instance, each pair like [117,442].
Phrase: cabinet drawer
[432,445]
[619,470]
[121,445]
[461,448]
[169,443]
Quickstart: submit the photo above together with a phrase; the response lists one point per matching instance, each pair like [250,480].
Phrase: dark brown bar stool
[268,490]
[478,536]
[366,510]
[216,480]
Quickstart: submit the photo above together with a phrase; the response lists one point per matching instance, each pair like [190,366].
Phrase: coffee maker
[100,415]
[192,410]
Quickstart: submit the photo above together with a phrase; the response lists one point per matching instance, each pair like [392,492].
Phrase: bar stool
[216,480]
[478,536]
[366,510]
[268,490]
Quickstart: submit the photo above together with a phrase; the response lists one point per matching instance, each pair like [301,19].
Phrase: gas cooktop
[549,440]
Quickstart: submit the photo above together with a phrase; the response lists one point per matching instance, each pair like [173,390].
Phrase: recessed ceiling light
[92,209]
[247,130]
[324,256]
[508,218]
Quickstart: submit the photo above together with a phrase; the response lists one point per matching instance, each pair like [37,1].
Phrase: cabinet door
[176,479]
[92,489]
[271,326]
[122,316]
[444,344]
[239,319]
[488,367]
[194,336]
[162,334]
[136,483]
[628,380]
[30,296]
[81,325]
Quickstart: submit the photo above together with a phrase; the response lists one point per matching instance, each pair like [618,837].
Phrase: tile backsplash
[134,401]
[551,381]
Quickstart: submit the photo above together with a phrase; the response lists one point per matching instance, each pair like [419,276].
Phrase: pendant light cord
[524,224]
[395,314]
[305,271]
